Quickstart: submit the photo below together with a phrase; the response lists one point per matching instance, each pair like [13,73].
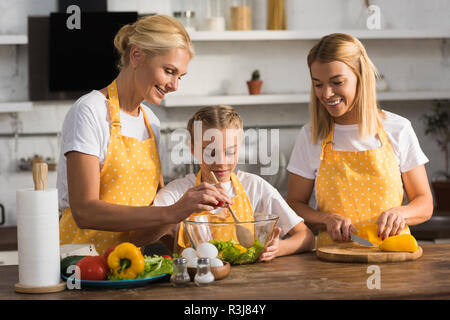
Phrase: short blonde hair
[155,35]
[221,117]
[349,50]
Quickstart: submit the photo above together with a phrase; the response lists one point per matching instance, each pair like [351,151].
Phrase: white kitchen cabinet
[9,258]
[13,39]
[15,106]
[10,40]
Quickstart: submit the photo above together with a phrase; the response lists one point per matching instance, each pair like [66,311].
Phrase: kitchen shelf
[264,35]
[193,101]
[15,106]
[198,101]
[13,39]
[413,95]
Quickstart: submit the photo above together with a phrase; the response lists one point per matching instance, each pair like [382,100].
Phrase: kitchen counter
[8,238]
[301,276]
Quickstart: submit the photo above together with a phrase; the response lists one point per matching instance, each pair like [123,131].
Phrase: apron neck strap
[114,108]
[328,141]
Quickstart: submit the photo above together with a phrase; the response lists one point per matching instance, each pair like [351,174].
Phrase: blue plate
[118,284]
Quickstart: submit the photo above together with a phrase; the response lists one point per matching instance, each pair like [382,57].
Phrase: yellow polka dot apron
[241,206]
[359,185]
[130,176]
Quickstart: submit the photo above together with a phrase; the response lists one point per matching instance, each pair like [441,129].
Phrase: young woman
[250,193]
[109,168]
[356,157]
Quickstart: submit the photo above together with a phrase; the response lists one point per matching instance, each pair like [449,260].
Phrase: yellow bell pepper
[369,232]
[126,261]
[401,242]
[241,248]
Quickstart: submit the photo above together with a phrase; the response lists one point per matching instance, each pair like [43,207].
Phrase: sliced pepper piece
[241,248]
[126,261]
[370,232]
[401,242]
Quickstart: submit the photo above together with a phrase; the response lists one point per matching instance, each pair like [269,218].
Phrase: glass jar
[187,19]
[215,18]
[276,15]
[240,15]
[180,276]
[204,276]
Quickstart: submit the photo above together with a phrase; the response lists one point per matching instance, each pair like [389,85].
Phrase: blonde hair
[155,35]
[221,117]
[349,50]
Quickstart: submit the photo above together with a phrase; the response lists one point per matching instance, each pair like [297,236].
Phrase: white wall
[223,68]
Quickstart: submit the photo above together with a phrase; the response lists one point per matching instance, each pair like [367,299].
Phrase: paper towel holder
[40,175]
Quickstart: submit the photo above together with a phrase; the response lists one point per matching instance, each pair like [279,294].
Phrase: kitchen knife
[360,240]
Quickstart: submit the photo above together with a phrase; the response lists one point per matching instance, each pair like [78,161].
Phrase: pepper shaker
[180,276]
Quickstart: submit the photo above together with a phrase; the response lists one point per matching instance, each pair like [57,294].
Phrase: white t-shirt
[305,157]
[262,195]
[86,129]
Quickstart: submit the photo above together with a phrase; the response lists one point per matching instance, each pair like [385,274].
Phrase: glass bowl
[222,234]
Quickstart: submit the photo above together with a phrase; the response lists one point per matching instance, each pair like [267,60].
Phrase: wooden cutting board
[356,253]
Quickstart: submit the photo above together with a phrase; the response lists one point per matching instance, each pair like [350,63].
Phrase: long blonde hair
[155,35]
[349,50]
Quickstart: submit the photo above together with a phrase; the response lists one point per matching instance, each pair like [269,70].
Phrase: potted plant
[437,124]
[255,84]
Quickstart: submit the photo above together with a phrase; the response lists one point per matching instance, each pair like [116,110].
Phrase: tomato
[220,204]
[167,257]
[108,251]
[93,268]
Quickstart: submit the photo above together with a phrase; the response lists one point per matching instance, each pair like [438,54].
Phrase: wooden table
[294,277]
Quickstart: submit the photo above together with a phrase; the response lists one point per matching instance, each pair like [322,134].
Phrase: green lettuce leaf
[234,256]
[154,266]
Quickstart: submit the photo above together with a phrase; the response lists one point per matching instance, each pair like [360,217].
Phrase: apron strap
[328,141]
[147,123]
[114,109]
[382,135]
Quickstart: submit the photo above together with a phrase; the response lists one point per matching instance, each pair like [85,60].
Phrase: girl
[357,156]
[109,165]
[250,193]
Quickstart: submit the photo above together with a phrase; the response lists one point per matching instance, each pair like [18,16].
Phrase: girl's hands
[273,247]
[339,227]
[204,197]
[390,223]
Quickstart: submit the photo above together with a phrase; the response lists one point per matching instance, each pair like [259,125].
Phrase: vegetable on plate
[126,261]
[93,268]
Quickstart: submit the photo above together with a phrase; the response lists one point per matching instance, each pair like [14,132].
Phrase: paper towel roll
[38,237]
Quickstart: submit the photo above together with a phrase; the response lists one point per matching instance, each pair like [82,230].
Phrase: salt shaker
[180,276]
[204,275]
